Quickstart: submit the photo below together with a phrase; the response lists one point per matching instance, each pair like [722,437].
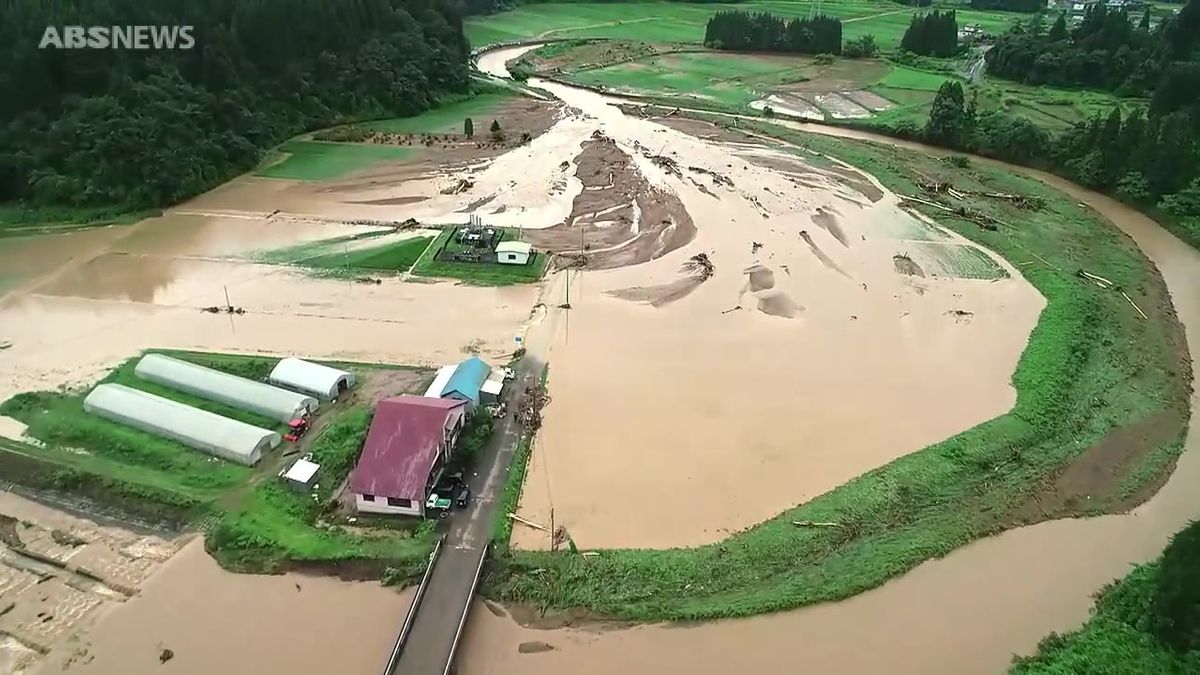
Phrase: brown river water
[75,304]
[966,613]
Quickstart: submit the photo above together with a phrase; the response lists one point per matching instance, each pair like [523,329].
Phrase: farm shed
[490,392]
[410,440]
[207,432]
[302,475]
[513,252]
[236,392]
[467,380]
[311,378]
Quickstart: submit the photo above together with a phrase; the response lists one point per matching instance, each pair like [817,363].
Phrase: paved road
[449,591]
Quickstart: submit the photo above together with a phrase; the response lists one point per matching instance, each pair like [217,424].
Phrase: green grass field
[683,22]
[448,118]
[1091,365]
[734,80]
[260,524]
[483,274]
[394,257]
[318,160]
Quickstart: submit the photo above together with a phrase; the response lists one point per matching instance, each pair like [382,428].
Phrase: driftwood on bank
[528,523]
[978,217]
[810,523]
[1139,309]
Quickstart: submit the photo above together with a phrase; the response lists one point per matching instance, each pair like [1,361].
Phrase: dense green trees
[760,31]
[140,128]
[863,46]
[1010,5]
[932,34]
[1106,50]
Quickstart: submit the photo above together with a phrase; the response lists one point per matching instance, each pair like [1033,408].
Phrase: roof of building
[302,471]
[310,377]
[440,381]
[493,387]
[214,385]
[513,246]
[467,379]
[402,446]
[205,431]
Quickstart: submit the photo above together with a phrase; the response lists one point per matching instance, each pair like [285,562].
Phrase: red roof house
[411,438]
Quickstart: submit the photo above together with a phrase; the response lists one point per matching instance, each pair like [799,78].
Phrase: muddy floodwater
[803,361]
[214,621]
[966,613]
[80,303]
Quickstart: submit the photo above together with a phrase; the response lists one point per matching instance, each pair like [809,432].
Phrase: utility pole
[553,538]
[227,302]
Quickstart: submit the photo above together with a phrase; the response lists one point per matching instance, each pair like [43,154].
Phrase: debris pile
[717,178]
[459,187]
[227,309]
[700,265]
[666,164]
[529,412]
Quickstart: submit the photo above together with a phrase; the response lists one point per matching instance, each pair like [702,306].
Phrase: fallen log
[1139,309]
[528,523]
[810,523]
[1093,277]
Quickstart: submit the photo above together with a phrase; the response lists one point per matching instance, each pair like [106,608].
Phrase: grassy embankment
[1145,623]
[257,524]
[348,257]
[484,274]
[1091,365]
[23,221]
[307,159]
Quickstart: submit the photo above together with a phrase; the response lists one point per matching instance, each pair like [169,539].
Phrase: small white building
[302,475]
[513,252]
[489,393]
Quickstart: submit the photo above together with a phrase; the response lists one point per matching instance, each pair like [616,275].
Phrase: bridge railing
[412,608]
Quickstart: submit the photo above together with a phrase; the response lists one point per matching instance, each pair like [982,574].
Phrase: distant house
[410,441]
[513,252]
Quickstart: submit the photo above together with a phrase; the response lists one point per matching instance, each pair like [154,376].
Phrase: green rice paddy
[318,160]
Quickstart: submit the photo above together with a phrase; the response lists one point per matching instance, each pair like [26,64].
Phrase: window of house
[405,503]
[368,498]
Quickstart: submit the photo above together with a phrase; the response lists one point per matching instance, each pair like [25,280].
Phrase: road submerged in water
[966,613]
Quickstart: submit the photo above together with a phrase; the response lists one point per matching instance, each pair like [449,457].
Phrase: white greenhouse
[235,392]
[207,432]
[311,378]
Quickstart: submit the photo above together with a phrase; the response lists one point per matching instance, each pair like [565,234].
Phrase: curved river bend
[965,613]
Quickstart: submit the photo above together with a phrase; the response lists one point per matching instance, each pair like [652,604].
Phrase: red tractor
[296,429]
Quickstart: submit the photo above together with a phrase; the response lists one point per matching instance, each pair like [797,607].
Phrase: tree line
[1027,6]
[143,128]
[1108,50]
[932,34]
[762,31]
[1149,159]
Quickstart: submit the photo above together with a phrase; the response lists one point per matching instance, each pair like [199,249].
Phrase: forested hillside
[140,128]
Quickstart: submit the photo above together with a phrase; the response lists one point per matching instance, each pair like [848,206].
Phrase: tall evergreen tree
[947,118]
[1058,31]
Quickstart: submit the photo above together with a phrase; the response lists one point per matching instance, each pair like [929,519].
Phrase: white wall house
[513,252]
